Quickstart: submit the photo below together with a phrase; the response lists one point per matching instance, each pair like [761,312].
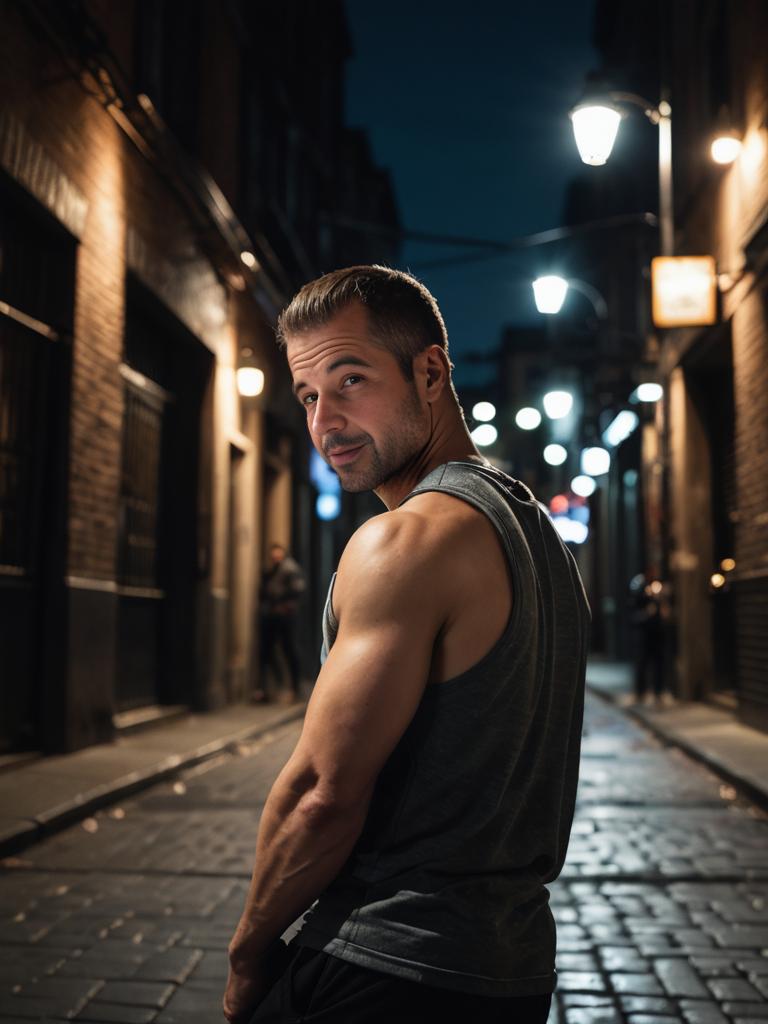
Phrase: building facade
[706,489]
[159,201]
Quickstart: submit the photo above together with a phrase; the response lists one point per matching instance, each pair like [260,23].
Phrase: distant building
[704,458]
[169,174]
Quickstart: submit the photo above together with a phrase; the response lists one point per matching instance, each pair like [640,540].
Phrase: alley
[662,908]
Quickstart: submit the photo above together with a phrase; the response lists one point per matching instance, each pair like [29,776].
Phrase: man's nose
[327,415]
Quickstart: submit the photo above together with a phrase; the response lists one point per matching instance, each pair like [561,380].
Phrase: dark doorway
[165,373]
[709,377]
[37,258]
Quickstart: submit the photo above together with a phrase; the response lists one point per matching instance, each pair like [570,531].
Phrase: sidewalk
[708,733]
[43,795]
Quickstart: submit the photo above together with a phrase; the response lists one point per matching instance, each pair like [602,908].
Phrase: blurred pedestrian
[282,585]
[647,617]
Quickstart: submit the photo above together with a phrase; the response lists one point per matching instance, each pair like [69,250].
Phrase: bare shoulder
[414,536]
[416,555]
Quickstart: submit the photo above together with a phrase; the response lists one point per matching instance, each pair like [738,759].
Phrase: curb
[744,786]
[85,804]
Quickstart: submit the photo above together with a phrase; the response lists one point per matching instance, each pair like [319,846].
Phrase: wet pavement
[662,908]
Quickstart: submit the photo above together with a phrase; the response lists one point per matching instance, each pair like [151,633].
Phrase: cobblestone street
[662,908]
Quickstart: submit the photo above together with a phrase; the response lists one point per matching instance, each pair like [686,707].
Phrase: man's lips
[342,455]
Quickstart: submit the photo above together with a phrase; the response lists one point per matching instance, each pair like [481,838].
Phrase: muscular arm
[390,612]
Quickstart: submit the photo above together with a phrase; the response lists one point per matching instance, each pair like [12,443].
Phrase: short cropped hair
[403,314]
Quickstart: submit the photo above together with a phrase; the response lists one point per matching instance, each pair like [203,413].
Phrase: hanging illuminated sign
[684,291]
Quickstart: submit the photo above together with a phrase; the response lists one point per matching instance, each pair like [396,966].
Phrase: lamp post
[596,120]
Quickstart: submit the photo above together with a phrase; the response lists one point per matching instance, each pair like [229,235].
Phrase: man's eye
[352,377]
[308,399]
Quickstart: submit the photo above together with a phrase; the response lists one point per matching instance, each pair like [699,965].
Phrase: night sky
[467,106]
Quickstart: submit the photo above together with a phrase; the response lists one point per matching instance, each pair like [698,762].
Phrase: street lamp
[528,418]
[596,121]
[483,411]
[484,435]
[595,127]
[549,294]
[250,379]
[647,392]
[557,404]
[595,461]
[583,485]
[555,454]
[725,147]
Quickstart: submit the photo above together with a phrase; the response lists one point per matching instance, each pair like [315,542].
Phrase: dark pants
[650,662]
[317,987]
[280,631]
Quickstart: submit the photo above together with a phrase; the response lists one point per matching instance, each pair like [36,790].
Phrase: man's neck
[456,446]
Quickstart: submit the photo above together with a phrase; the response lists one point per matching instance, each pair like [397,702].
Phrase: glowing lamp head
[555,454]
[725,148]
[484,435]
[483,411]
[528,418]
[549,293]
[648,392]
[595,126]
[595,461]
[583,485]
[250,381]
[557,404]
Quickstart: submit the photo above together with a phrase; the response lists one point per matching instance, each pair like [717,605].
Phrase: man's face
[277,554]
[363,417]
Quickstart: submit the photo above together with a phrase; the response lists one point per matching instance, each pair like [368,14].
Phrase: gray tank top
[472,811]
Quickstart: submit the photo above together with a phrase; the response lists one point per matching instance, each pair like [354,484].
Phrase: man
[430,795]
[281,587]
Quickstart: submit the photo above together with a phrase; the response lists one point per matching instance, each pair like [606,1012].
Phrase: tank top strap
[489,491]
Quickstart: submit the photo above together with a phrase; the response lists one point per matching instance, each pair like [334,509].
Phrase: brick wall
[750,356]
[719,209]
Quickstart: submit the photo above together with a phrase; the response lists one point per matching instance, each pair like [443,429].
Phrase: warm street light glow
[620,428]
[549,293]
[483,411]
[595,127]
[648,392]
[555,454]
[728,564]
[558,404]
[250,381]
[583,485]
[595,461]
[725,148]
[484,435]
[717,580]
[248,259]
[528,418]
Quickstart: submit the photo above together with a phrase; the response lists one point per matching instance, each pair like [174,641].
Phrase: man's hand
[244,992]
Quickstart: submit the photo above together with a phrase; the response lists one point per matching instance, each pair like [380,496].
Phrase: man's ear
[436,371]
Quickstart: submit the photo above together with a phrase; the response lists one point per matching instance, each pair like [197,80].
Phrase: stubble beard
[383,461]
